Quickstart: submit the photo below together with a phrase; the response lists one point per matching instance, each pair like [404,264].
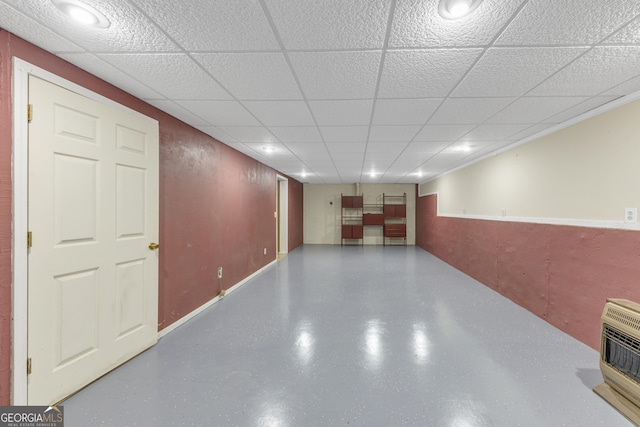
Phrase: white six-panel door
[93,212]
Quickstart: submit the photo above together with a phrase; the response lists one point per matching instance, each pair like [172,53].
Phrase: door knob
[153,246]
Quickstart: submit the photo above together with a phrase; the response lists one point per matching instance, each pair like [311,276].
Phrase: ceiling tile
[531,131]
[598,70]
[569,22]
[581,108]
[424,73]
[221,113]
[494,132]
[417,23]
[160,72]
[330,24]
[256,134]
[343,148]
[404,111]
[393,133]
[533,110]
[221,136]
[314,148]
[418,148]
[468,110]
[214,25]
[281,113]
[629,34]
[130,29]
[17,23]
[344,133]
[508,72]
[177,111]
[337,75]
[442,132]
[296,133]
[342,112]
[111,74]
[252,76]
[630,86]
[385,149]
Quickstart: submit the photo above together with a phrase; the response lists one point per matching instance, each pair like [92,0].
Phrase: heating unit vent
[622,317]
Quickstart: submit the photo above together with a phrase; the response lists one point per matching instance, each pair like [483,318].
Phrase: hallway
[365,336]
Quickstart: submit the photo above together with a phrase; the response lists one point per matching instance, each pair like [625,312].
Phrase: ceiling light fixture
[269,149]
[82,13]
[456,9]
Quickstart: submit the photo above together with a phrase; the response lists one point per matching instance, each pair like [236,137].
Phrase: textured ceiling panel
[330,24]
[281,113]
[344,133]
[340,87]
[508,72]
[206,26]
[404,111]
[424,73]
[342,113]
[568,22]
[113,75]
[337,75]
[468,110]
[296,133]
[14,21]
[130,29]
[254,134]
[532,110]
[161,70]
[596,71]
[418,24]
[221,113]
[393,133]
[252,76]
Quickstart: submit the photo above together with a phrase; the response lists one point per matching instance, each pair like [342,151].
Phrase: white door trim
[282,229]
[21,72]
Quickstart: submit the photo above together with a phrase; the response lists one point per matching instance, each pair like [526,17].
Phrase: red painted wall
[562,274]
[216,204]
[295,202]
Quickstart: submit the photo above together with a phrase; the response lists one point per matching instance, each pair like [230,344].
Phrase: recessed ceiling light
[456,9]
[269,149]
[82,13]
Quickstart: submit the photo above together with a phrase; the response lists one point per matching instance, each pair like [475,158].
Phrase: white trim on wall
[590,223]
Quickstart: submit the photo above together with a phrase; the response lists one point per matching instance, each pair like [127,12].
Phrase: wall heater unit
[620,357]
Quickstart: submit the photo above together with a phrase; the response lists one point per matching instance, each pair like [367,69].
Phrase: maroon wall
[216,204]
[295,237]
[562,274]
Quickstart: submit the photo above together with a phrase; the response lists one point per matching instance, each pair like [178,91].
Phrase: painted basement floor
[373,336]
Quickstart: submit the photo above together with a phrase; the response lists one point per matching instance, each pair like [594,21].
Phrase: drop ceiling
[344,91]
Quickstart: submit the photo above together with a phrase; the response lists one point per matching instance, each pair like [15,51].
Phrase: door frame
[282,219]
[20,196]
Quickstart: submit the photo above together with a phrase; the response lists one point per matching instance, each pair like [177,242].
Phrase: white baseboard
[209,303]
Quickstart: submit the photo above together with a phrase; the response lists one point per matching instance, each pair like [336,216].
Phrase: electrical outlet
[631,215]
[265,251]
[503,211]
[219,272]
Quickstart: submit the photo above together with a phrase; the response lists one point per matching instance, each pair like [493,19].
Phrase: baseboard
[209,303]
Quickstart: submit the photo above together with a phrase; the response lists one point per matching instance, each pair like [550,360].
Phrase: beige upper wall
[588,171]
[322,211]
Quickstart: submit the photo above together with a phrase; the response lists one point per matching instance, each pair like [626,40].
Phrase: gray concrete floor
[363,336]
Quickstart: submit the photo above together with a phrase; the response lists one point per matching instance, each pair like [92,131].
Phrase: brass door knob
[153,246]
